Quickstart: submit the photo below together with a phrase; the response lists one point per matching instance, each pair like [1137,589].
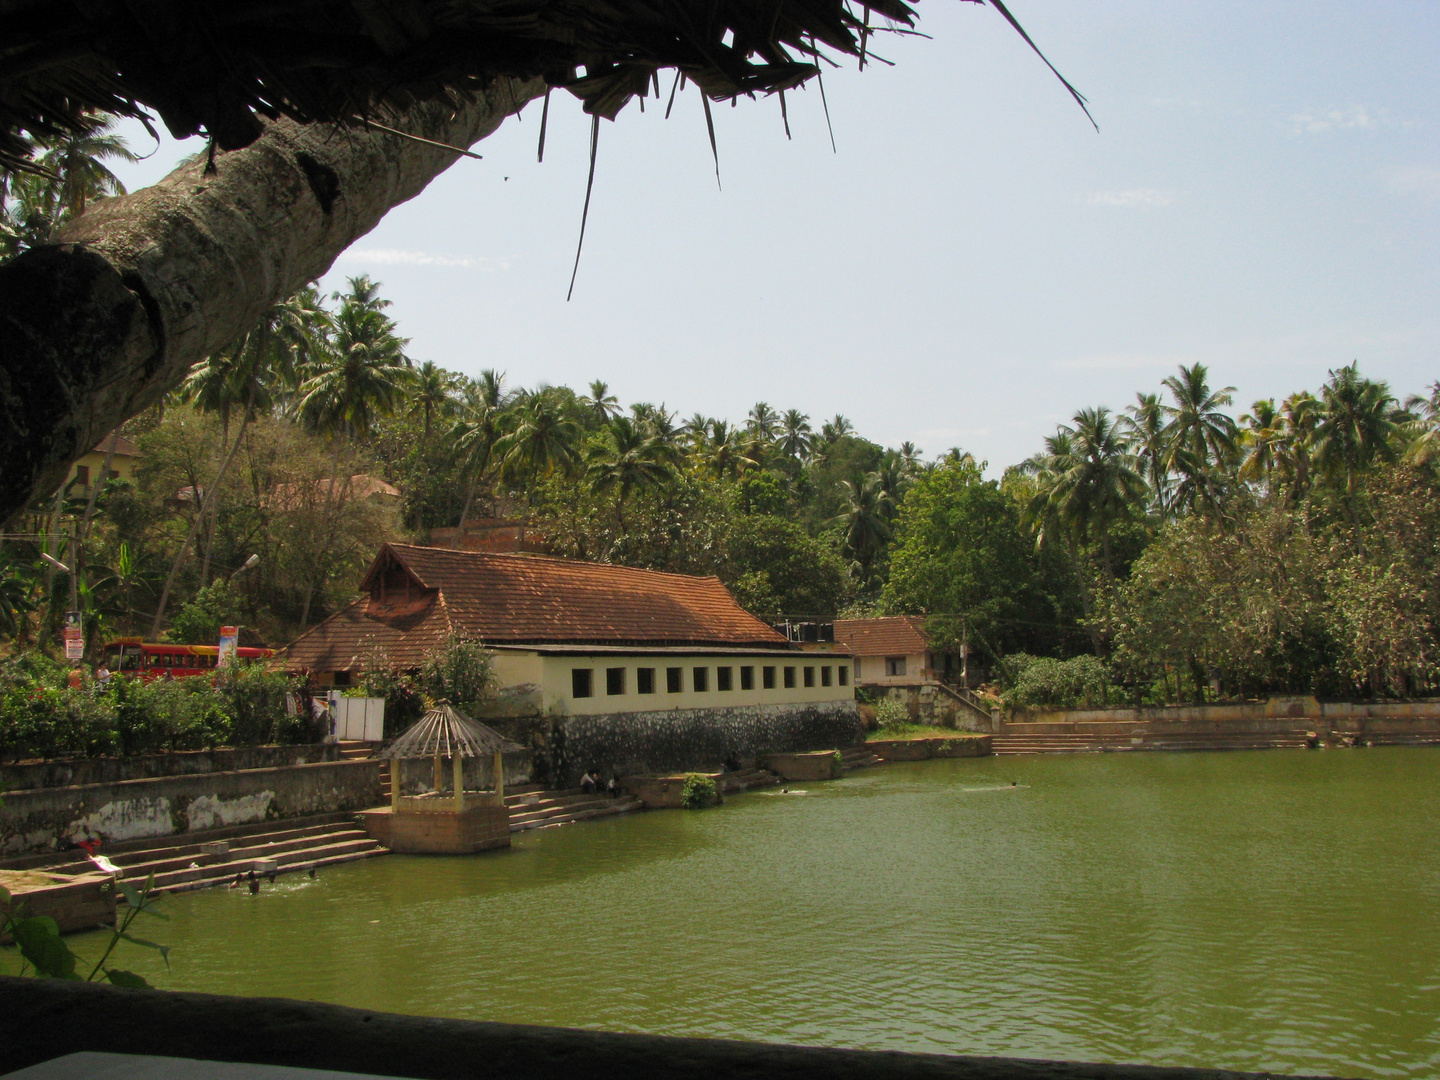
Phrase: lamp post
[249,564]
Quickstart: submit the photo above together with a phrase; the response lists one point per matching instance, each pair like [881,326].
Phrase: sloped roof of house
[123,446]
[417,596]
[896,635]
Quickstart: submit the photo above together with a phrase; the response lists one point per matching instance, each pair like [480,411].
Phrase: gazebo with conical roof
[430,823]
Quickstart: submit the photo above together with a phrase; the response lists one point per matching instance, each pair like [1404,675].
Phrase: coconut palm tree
[543,439]
[1090,483]
[600,405]
[1423,430]
[727,452]
[795,435]
[431,394]
[764,423]
[1299,416]
[481,413]
[1358,427]
[1262,434]
[361,375]
[865,521]
[1145,427]
[1201,437]
[632,458]
[835,429]
[77,160]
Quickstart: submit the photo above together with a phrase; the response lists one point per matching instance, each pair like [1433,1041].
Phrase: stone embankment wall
[625,744]
[110,770]
[55,818]
[928,703]
[1273,714]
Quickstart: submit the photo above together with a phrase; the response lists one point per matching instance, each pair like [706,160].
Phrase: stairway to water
[1096,742]
[180,863]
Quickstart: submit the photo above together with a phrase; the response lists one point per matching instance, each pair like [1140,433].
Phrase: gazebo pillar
[394,764]
[500,776]
[439,774]
[459,765]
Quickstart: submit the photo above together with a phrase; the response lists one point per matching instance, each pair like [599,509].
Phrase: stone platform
[74,901]
[438,831]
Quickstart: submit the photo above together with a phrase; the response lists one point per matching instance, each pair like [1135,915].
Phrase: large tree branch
[99,326]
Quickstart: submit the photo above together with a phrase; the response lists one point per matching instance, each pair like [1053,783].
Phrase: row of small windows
[582,680]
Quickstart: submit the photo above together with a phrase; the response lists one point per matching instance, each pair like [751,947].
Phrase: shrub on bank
[1042,681]
[42,716]
[699,792]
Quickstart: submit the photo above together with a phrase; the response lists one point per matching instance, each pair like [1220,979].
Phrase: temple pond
[1271,910]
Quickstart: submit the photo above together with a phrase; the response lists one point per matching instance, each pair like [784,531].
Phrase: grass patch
[914,731]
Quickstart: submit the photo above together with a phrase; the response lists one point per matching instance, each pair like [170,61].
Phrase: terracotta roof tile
[123,446]
[523,599]
[898,635]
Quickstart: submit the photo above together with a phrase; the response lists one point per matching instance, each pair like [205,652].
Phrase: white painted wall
[557,682]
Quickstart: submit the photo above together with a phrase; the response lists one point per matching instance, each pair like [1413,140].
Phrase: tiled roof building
[418,596]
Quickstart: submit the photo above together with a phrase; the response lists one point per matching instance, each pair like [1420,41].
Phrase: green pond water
[1271,910]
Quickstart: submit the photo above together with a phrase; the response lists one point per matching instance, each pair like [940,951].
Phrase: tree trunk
[211,493]
[99,325]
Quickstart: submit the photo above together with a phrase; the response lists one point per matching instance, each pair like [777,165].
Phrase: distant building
[89,469]
[318,492]
[622,669]
[895,651]
[893,657]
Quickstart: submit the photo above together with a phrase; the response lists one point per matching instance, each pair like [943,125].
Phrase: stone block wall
[52,819]
[928,704]
[625,744]
[71,772]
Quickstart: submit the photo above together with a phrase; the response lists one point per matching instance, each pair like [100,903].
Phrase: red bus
[154,660]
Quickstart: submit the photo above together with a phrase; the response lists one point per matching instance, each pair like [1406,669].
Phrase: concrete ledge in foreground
[42,1019]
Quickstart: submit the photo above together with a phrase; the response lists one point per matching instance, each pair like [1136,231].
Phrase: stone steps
[1091,743]
[746,779]
[179,864]
[857,757]
[531,807]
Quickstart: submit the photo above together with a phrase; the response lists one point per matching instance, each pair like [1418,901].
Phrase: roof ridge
[554,560]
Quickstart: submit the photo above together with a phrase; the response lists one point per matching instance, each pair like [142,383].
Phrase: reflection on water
[1263,910]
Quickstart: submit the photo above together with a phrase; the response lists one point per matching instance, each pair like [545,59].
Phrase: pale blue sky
[976,262]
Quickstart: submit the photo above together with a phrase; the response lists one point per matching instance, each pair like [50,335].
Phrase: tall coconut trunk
[101,324]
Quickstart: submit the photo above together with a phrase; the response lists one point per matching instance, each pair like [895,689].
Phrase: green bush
[199,621]
[458,672]
[254,698]
[1042,681]
[42,717]
[891,713]
[699,792]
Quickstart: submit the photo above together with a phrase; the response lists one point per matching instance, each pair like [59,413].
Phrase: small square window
[767,677]
[789,678]
[844,672]
[809,675]
[894,665]
[700,680]
[674,680]
[747,678]
[644,680]
[722,678]
[825,675]
[857,670]
[580,682]
[614,681]
[82,475]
